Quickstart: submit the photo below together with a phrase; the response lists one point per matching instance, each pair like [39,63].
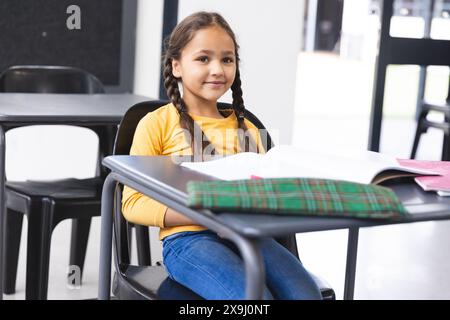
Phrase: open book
[287,161]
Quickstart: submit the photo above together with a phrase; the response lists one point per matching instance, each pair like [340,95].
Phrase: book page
[233,167]
[350,165]
[287,161]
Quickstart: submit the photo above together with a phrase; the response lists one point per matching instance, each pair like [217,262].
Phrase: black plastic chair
[49,79]
[46,203]
[423,124]
[144,282]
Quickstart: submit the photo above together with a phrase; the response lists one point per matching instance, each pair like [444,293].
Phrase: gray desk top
[65,108]
[161,173]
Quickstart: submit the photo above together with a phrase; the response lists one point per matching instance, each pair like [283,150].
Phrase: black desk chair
[49,79]
[46,203]
[152,282]
[423,124]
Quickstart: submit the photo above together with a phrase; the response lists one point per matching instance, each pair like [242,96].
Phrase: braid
[171,85]
[245,141]
[238,102]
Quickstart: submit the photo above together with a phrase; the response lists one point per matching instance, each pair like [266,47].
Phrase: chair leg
[78,243]
[445,147]
[130,238]
[415,145]
[13,232]
[143,245]
[419,131]
[40,227]
[445,150]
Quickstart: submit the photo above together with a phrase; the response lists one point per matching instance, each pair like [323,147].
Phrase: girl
[202,55]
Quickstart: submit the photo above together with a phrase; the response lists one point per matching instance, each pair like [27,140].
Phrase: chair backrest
[49,79]
[59,79]
[122,146]
[130,120]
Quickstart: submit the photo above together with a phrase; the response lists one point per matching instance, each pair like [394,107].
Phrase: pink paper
[431,183]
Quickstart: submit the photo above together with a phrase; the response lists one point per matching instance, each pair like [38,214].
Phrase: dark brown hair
[181,35]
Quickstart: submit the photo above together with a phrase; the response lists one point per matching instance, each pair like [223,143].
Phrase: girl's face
[207,66]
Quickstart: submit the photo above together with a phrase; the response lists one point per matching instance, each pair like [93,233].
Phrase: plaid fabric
[296,196]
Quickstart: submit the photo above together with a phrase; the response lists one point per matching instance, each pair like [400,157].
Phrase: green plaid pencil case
[296,196]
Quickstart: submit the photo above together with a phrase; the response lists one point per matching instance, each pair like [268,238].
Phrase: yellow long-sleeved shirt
[160,133]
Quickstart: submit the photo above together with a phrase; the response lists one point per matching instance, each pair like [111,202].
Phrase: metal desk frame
[164,181]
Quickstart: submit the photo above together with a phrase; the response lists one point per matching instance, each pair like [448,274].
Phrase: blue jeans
[212,267]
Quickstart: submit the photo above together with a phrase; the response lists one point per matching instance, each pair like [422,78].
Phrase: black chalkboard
[45,32]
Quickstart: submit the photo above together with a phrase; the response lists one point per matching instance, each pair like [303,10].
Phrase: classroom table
[23,109]
[165,181]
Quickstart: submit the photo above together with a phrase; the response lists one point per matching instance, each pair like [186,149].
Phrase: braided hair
[181,35]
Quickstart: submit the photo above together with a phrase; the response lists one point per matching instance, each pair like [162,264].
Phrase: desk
[22,109]
[164,181]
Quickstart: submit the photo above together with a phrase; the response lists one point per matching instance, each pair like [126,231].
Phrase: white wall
[269,34]
[148,47]
[356,21]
